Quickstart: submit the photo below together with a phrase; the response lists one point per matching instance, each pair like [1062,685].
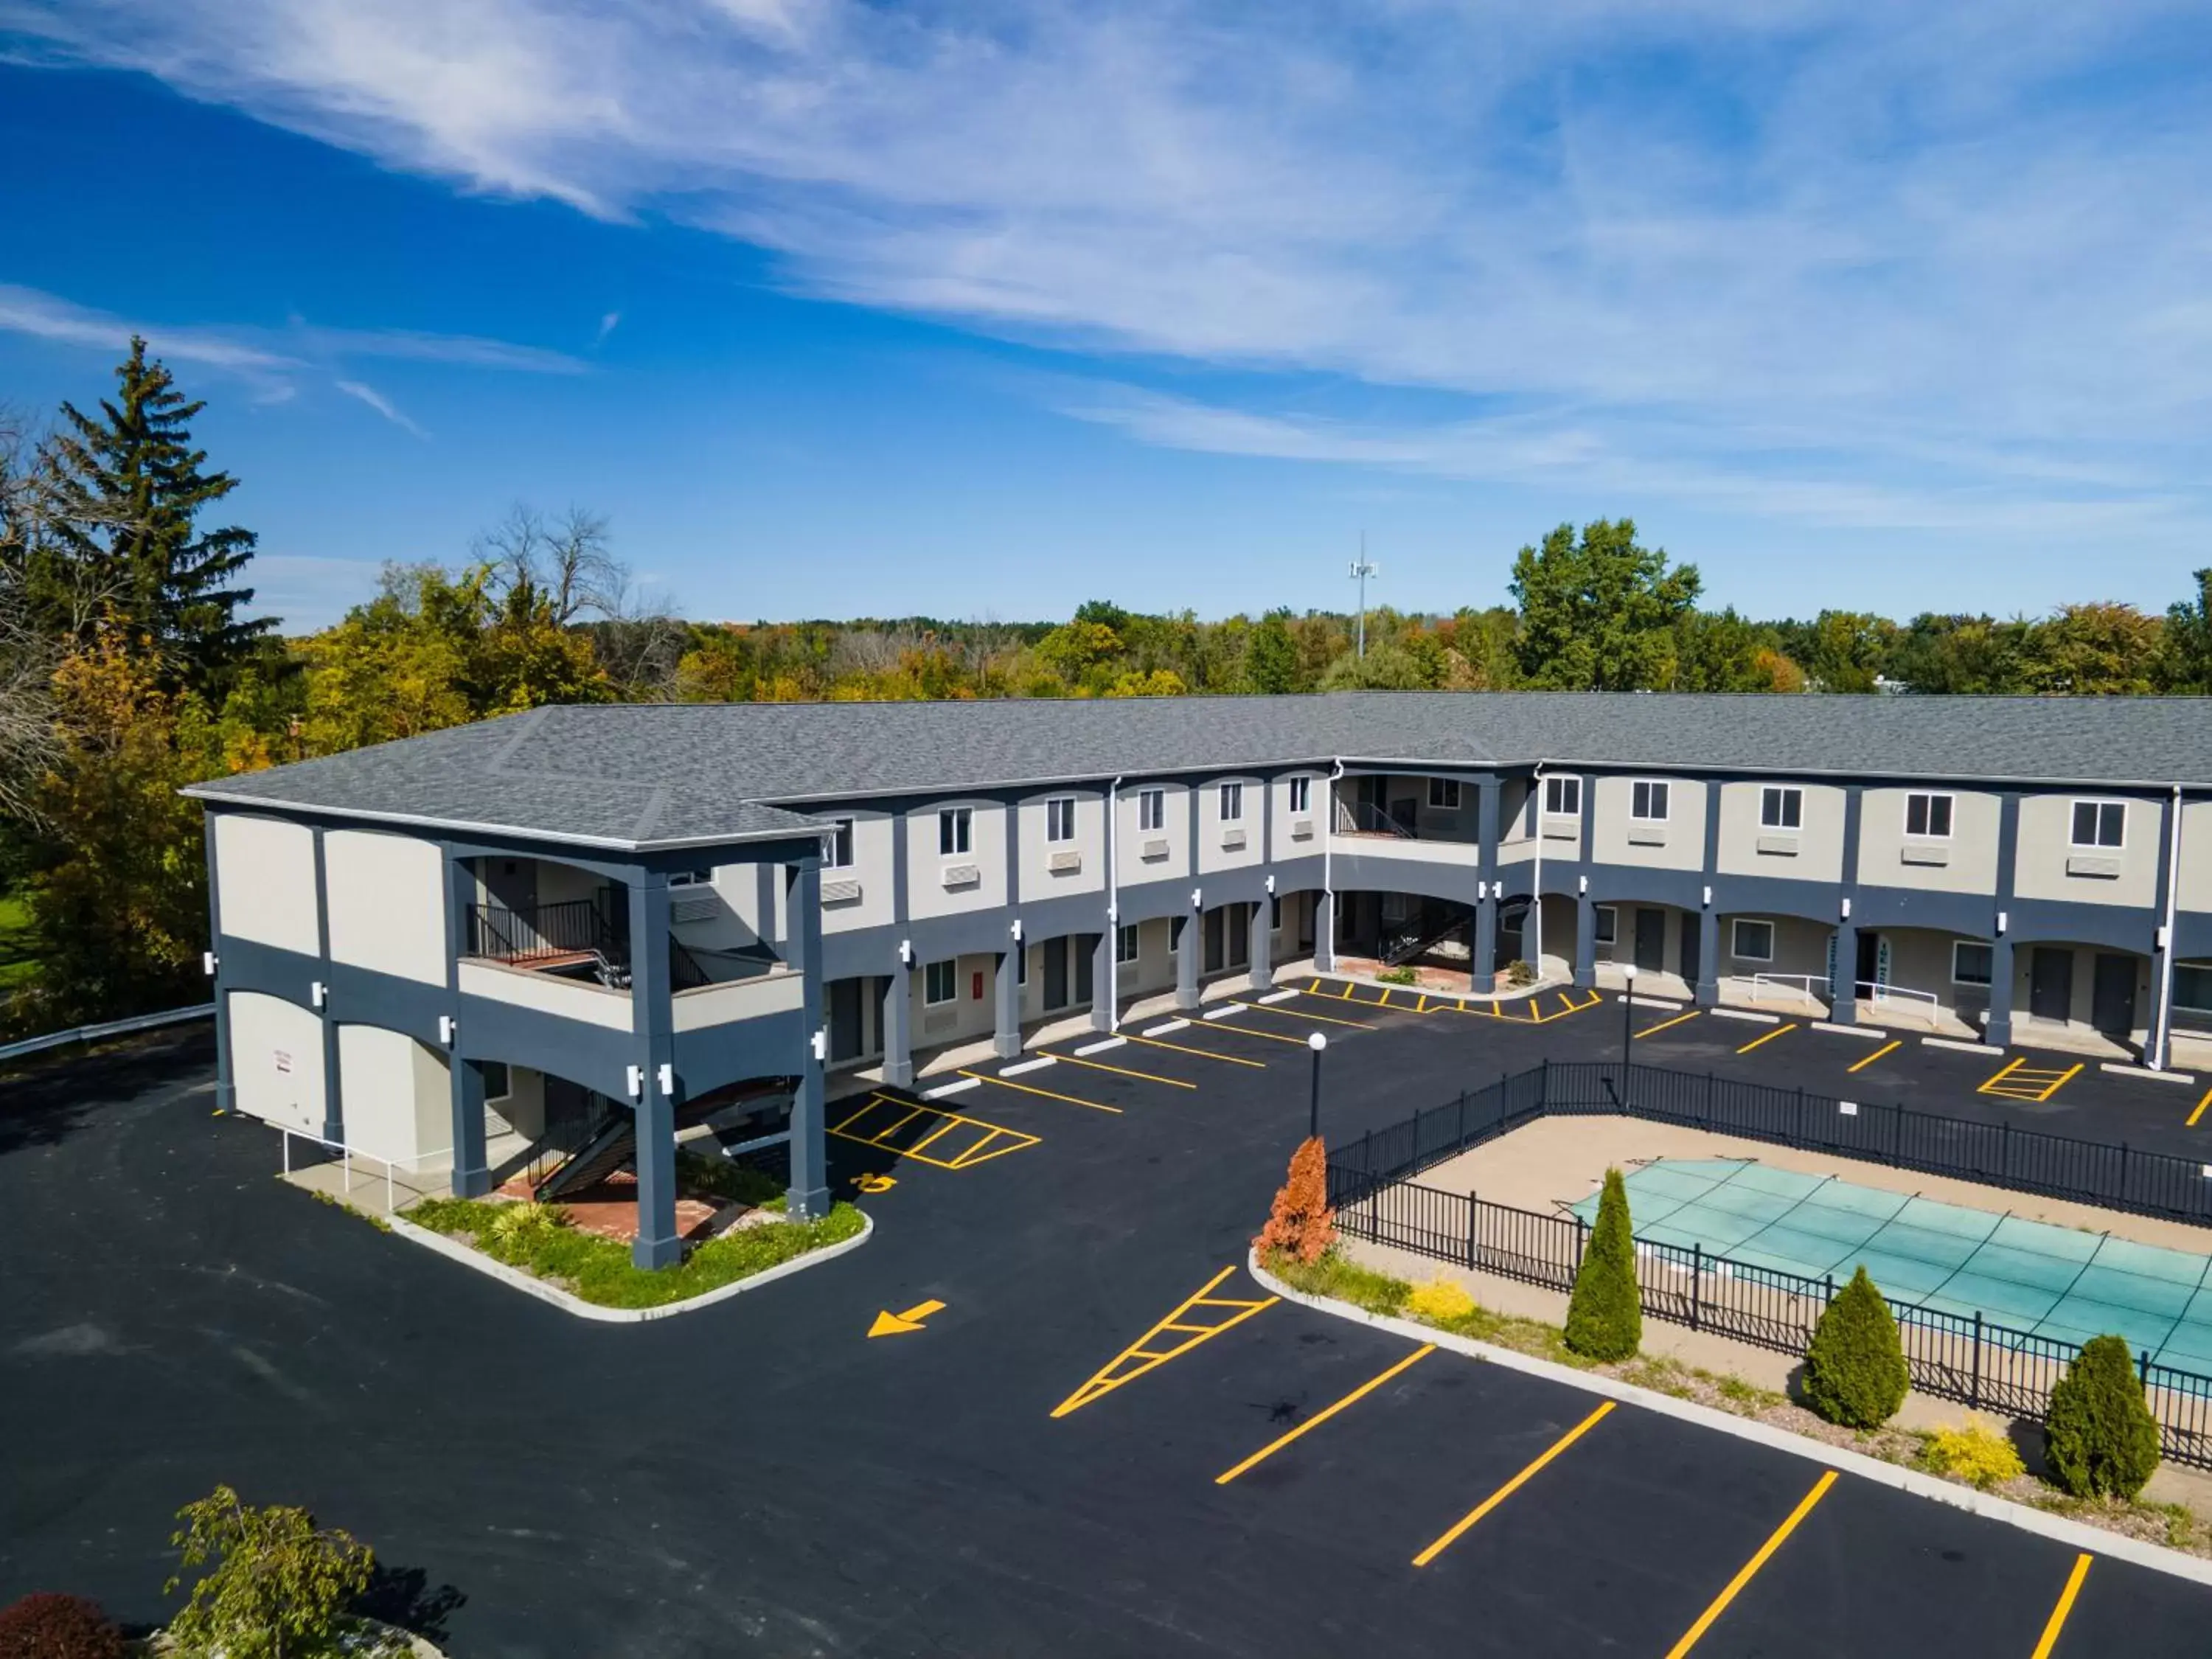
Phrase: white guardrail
[113,1028]
[347,1154]
[1814,988]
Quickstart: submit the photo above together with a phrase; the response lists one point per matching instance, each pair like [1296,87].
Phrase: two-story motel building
[426,950]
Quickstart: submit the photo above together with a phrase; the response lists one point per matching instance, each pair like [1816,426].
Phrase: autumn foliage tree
[1302,1224]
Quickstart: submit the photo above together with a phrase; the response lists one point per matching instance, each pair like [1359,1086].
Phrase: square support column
[1260,927]
[226,1087]
[653,1040]
[1843,987]
[1188,945]
[898,1022]
[1324,931]
[1708,988]
[1998,1031]
[1105,991]
[1482,965]
[1006,1022]
[472,1179]
[1585,942]
[1482,949]
[808,1196]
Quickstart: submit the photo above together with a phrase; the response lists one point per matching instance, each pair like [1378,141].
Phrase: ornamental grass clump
[1301,1225]
[1855,1370]
[1605,1317]
[2099,1438]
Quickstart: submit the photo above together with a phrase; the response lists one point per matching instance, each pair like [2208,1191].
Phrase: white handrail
[1879,993]
[1803,983]
[346,1153]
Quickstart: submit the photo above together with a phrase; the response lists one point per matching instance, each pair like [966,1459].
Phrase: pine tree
[137,557]
[1605,1314]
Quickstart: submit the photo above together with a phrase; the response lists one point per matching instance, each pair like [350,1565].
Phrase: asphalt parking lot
[1038,1467]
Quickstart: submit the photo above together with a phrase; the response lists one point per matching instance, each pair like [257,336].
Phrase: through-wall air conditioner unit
[841,892]
[1155,849]
[1232,839]
[1062,862]
[962,875]
[1301,829]
[694,907]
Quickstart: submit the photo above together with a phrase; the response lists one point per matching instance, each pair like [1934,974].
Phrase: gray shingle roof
[636,775]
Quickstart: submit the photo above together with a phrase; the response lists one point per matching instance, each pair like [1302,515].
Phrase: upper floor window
[1928,815]
[837,847]
[1125,942]
[1781,808]
[940,981]
[954,826]
[1301,795]
[1443,794]
[2100,823]
[1563,796]
[1152,809]
[1060,818]
[691,878]
[1648,800]
[1233,802]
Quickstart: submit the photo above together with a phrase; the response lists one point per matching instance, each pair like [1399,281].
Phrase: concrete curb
[454,1250]
[2078,1535]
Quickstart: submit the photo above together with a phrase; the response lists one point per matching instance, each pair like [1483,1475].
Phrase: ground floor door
[849,1033]
[1512,934]
[1236,919]
[1086,955]
[2051,983]
[1694,942]
[2112,1001]
[1056,973]
[1868,971]
[1211,962]
[1651,940]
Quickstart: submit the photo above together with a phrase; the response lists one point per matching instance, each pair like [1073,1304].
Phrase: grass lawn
[15,942]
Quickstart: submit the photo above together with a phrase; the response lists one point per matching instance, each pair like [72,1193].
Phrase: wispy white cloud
[26,311]
[377,401]
[1824,257]
[608,324]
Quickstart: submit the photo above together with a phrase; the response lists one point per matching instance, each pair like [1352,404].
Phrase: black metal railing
[534,932]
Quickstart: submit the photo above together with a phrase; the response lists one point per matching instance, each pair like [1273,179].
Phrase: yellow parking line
[1272,1036]
[2011,1066]
[1383,1000]
[2057,1621]
[1111,1376]
[2199,1112]
[1768,1037]
[1123,1070]
[1203,1054]
[1860,1066]
[1511,1486]
[1326,1413]
[984,1077]
[1664,1024]
[1566,1008]
[1781,1535]
[1326,1019]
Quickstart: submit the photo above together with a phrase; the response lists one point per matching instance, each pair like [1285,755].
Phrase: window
[1125,942]
[1233,802]
[940,983]
[1604,915]
[838,846]
[498,1086]
[2192,988]
[1780,808]
[1752,941]
[1443,794]
[1060,818]
[1152,809]
[2100,823]
[952,830]
[1648,801]
[1301,795]
[691,878]
[1928,816]
[1971,961]
[1563,796]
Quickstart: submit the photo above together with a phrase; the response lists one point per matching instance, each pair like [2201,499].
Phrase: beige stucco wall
[926,895]
[567,998]
[396,1097]
[1134,868]
[1282,844]
[874,845]
[738,998]
[264,873]
[386,904]
[2194,891]
[2039,868]
[1801,948]
[970,1016]
[1684,829]
[1972,848]
[1817,843]
[1037,879]
[276,1061]
[1212,855]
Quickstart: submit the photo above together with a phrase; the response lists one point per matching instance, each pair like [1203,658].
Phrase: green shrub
[2099,1438]
[1520,974]
[50,1626]
[1977,1456]
[279,1586]
[1855,1370]
[1399,976]
[1605,1320]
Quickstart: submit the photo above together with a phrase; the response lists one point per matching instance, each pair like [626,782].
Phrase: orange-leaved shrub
[1302,1224]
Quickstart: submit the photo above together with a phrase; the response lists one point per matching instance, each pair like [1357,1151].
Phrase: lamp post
[1627,1026]
[1316,1042]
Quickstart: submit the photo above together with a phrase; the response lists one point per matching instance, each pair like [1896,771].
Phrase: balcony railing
[1361,817]
[574,933]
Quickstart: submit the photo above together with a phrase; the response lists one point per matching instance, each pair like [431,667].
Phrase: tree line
[132,663]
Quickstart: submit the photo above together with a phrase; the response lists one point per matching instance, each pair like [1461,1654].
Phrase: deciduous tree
[1599,614]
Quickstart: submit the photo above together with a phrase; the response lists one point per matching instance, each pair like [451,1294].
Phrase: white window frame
[837,845]
[2097,843]
[1781,806]
[1124,943]
[1950,814]
[951,966]
[1152,809]
[1651,790]
[1605,928]
[1060,818]
[1232,803]
[1988,980]
[691,878]
[1443,794]
[1736,924]
[1301,795]
[2181,1004]
[956,831]
[1568,787]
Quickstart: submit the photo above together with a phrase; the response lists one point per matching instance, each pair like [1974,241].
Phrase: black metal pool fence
[1951,1356]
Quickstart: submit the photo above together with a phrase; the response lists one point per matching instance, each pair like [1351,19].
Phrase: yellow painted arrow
[891,1324]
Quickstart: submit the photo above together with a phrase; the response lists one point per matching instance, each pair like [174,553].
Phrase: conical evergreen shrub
[1302,1224]
[1605,1320]
[2099,1438]
[1855,1370]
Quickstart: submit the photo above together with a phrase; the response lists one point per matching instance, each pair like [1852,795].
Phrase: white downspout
[1536,887]
[1327,919]
[1114,904]
[2162,1037]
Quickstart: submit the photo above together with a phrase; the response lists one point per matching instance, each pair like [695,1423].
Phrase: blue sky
[983,310]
